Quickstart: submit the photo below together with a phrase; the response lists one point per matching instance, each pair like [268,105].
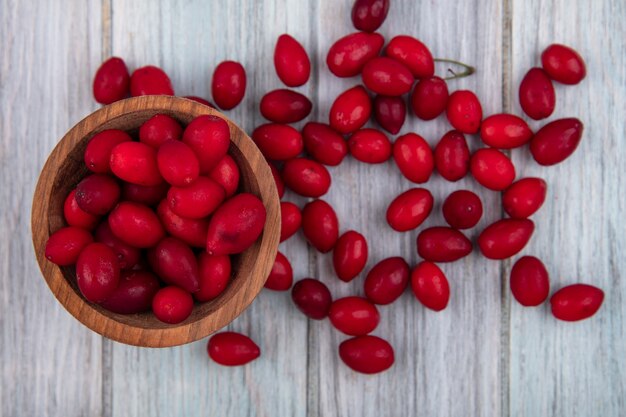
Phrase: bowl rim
[169,335]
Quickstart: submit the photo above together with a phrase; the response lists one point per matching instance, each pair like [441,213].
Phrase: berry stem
[468,69]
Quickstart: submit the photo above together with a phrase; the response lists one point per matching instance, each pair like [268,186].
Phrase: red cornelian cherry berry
[209,137]
[228,85]
[65,245]
[127,255]
[97,194]
[178,163]
[278,142]
[99,147]
[290,220]
[136,225]
[285,106]
[354,316]
[563,64]
[323,144]
[350,255]
[306,177]
[492,169]
[414,157]
[281,275]
[367,354]
[536,94]
[387,280]
[172,305]
[150,80]
[442,244]
[291,61]
[530,282]
[133,294]
[505,131]
[452,156]
[75,216]
[576,302]
[505,238]
[232,349]
[320,225]
[462,209]
[197,200]
[390,113]
[136,162]
[413,54]
[464,111]
[312,298]
[149,195]
[226,173]
[369,15]
[430,286]
[409,210]
[350,110]
[191,231]
[159,129]
[97,272]
[556,141]
[370,146]
[387,76]
[214,275]
[429,98]
[112,81]
[348,55]
[524,197]
[278,180]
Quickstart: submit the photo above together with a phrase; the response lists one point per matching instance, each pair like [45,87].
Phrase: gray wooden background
[483,356]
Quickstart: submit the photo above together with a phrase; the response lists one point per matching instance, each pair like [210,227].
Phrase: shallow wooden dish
[65,168]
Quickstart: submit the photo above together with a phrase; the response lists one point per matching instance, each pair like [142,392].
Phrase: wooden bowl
[65,168]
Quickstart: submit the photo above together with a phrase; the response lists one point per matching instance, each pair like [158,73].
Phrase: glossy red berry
[306,177]
[278,142]
[556,141]
[133,294]
[312,298]
[369,15]
[228,85]
[111,82]
[414,157]
[214,275]
[209,137]
[232,349]
[178,163]
[367,354]
[354,316]
[387,280]
[65,245]
[320,225]
[97,272]
[191,231]
[429,98]
[348,55]
[350,110]
[413,54]
[291,61]
[442,244]
[99,147]
[387,76]
[323,144]
[462,209]
[492,169]
[136,224]
[370,146]
[350,255]
[430,286]
[464,111]
[563,64]
[576,302]
[536,94]
[172,305]
[409,210]
[281,275]
[149,195]
[136,162]
[176,264]
[505,131]
[452,156]
[504,238]
[390,113]
[197,200]
[530,283]
[524,197]
[290,220]
[226,173]
[97,194]
[75,216]
[285,106]
[159,129]
[150,80]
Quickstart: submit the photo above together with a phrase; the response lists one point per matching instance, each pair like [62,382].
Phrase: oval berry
[387,280]
[99,147]
[504,238]
[367,354]
[348,56]
[390,113]
[430,286]
[226,173]
[462,209]
[209,137]
[111,82]
[369,15]
[320,225]
[452,156]
[136,162]
[429,98]
[136,225]
[285,106]
[278,142]
[148,195]
[408,210]
[97,194]
[127,256]
[323,144]
[492,169]
[232,349]
[290,220]
[177,163]
[65,245]
[150,80]
[556,141]
[214,275]
[524,197]
[505,131]
[442,244]
[236,225]
[563,64]
[536,94]
[75,216]
[191,231]
[530,283]
[576,302]
[413,54]
[387,76]
[350,110]
[159,129]
[350,255]
[291,61]
[312,298]
[370,146]
[306,177]
[133,294]
[97,272]
[172,305]
[176,264]
[414,157]
[354,316]
[228,85]
[281,275]
[464,111]
[197,200]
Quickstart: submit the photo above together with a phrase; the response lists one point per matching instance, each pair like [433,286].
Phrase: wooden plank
[49,363]
[188,40]
[447,363]
[562,368]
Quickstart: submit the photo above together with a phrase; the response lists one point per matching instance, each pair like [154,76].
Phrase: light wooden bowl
[65,168]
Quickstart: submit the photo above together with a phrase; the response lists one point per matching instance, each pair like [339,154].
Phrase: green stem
[468,70]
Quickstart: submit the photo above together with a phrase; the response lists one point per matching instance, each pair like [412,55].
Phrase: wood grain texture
[484,355]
